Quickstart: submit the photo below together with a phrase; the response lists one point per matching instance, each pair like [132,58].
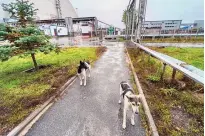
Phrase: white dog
[131,101]
[84,66]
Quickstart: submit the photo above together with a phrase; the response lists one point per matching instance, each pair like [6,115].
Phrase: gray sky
[110,11]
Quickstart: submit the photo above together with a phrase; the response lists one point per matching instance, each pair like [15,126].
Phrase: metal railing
[172,63]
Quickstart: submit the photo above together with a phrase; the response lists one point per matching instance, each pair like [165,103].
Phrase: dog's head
[134,100]
[82,64]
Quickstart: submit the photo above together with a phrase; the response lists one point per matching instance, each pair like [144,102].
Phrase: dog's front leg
[121,92]
[85,80]
[89,72]
[124,115]
[81,82]
[133,119]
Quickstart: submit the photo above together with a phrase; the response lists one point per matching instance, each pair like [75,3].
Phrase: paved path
[92,110]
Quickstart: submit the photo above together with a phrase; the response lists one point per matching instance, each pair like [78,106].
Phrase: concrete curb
[35,113]
[152,125]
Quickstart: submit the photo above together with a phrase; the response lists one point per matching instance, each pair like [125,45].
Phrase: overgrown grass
[176,111]
[192,56]
[21,92]
[175,40]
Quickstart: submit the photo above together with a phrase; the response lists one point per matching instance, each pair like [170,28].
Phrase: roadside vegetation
[174,40]
[177,110]
[21,91]
[192,56]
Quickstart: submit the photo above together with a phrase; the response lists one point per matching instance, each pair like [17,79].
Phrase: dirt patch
[100,51]
[39,67]
[180,119]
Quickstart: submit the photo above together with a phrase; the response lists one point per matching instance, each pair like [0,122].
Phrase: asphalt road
[92,110]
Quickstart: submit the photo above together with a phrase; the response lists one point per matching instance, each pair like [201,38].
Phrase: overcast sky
[110,11]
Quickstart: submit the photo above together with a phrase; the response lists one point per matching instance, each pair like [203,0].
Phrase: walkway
[92,110]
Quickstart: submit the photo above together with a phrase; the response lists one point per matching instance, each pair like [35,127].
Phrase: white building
[47,9]
[163,25]
[199,24]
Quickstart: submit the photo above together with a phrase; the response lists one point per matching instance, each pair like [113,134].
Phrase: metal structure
[193,73]
[135,16]
[58,8]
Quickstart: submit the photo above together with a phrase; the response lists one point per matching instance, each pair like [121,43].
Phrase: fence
[177,65]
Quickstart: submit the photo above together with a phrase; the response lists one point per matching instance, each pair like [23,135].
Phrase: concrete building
[47,9]
[199,24]
[163,26]
[84,26]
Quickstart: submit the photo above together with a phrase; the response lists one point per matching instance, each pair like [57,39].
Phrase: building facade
[84,26]
[47,9]
[199,24]
[163,26]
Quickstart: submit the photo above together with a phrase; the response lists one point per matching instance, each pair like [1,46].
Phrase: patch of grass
[133,84]
[21,92]
[122,39]
[175,40]
[144,120]
[153,78]
[192,56]
[165,97]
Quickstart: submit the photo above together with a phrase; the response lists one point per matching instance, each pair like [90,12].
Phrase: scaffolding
[58,8]
[135,17]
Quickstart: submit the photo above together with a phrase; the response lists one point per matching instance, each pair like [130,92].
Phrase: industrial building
[163,26]
[51,15]
[47,9]
[199,24]
[84,26]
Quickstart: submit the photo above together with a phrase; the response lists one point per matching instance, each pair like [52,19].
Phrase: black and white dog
[82,68]
[131,101]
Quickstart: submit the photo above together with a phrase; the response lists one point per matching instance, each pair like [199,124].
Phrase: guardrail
[172,63]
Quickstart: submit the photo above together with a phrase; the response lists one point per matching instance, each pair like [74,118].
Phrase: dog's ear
[81,62]
[132,96]
[136,98]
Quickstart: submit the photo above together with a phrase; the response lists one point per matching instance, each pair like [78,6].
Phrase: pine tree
[22,10]
[27,39]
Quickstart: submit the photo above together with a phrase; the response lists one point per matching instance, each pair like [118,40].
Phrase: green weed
[153,78]
[192,56]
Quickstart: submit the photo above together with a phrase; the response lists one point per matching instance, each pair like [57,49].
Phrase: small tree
[27,39]
[22,10]
[5,51]
[32,41]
